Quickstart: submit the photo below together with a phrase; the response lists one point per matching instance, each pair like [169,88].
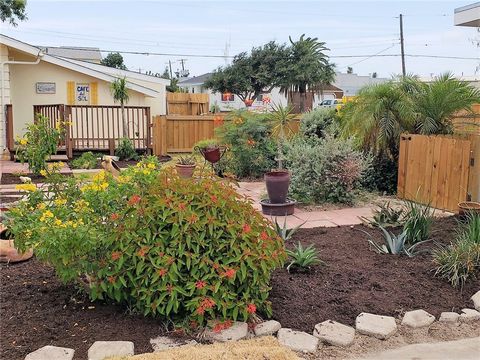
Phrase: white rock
[297,340]
[269,327]
[468,315]
[161,343]
[237,331]
[51,353]
[104,349]
[418,318]
[334,333]
[476,300]
[378,326]
[448,317]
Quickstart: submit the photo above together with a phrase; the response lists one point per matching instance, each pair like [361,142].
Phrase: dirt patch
[356,279]
[9,178]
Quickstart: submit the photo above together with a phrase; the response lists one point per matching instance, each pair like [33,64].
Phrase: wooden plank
[474,166]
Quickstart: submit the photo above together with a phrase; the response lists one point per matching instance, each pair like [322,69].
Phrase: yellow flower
[146,172]
[151,166]
[44,173]
[28,234]
[60,201]
[81,205]
[26,187]
[104,185]
[46,215]
[23,141]
[58,222]
[124,179]
[41,206]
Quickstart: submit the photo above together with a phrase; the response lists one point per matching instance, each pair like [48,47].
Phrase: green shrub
[394,244]
[251,149]
[157,243]
[40,141]
[303,258]
[385,215]
[382,176]
[460,261]
[325,170]
[86,161]
[318,123]
[418,219]
[126,150]
[207,144]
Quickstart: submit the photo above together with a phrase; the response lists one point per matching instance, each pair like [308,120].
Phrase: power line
[374,55]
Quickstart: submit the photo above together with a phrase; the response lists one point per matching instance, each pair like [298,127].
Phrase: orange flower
[142,251]
[246,228]
[251,308]
[192,219]
[116,255]
[162,271]
[213,198]
[264,235]
[230,273]
[112,279]
[200,310]
[251,142]
[182,206]
[114,216]
[200,284]
[134,199]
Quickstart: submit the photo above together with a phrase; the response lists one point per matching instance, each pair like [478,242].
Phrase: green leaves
[303,257]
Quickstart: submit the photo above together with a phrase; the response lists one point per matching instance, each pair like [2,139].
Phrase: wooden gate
[434,170]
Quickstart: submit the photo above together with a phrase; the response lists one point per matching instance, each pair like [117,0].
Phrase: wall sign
[82,93]
[45,87]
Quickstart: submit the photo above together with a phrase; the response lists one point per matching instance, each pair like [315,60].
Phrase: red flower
[251,308]
[192,219]
[208,303]
[114,216]
[116,255]
[134,199]
[213,198]
[230,273]
[142,251]
[200,310]
[112,279]
[222,326]
[215,266]
[251,142]
[162,271]
[200,284]
[182,206]
[264,235]
[246,228]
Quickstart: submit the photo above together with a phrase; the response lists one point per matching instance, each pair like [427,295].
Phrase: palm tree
[378,117]
[308,69]
[281,118]
[119,92]
[436,104]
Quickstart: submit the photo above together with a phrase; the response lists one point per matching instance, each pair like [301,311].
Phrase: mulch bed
[37,310]
[356,279]
[9,178]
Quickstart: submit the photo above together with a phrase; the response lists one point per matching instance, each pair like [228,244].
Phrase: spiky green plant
[394,244]
[385,215]
[303,258]
[284,232]
[418,220]
[460,261]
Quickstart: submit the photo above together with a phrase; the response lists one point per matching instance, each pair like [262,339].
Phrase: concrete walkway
[465,349]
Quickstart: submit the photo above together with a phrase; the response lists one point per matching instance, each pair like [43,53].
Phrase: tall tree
[308,68]
[13,10]
[251,74]
[114,60]
[120,94]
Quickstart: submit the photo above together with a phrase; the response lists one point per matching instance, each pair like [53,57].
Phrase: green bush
[418,219]
[251,149]
[87,160]
[382,176]
[303,258]
[157,243]
[126,150]
[318,123]
[460,261]
[325,170]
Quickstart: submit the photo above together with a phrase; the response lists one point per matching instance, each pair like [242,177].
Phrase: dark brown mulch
[9,178]
[37,310]
[126,163]
[356,279]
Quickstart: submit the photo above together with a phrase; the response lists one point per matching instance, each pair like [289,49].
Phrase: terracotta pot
[248,102]
[212,155]
[277,186]
[185,171]
[468,206]
[8,253]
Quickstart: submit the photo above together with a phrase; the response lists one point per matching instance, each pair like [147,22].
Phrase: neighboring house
[344,85]
[468,15]
[31,77]
[76,53]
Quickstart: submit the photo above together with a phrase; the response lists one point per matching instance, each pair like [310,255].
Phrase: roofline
[466,7]
[81,68]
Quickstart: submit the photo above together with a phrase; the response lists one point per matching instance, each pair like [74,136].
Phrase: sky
[216,28]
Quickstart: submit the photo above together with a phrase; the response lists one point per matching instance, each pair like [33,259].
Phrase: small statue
[110,166]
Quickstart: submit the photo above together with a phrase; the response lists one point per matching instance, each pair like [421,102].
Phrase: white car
[331,103]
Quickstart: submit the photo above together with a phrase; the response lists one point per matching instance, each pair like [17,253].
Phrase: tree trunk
[303,96]
[125,125]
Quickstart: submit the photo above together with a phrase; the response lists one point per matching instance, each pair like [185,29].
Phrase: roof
[352,83]
[76,53]
[97,71]
[197,80]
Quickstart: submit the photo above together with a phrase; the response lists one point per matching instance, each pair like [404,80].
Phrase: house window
[228,97]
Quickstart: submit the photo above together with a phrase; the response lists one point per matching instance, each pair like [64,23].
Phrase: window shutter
[70,92]
[93,93]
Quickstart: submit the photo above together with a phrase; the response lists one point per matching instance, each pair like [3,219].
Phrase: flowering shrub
[163,245]
[39,142]
[251,149]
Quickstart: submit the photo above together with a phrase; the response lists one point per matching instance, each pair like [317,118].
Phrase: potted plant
[278,180]
[185,166]
[8,252]
[210,150]
[248,102]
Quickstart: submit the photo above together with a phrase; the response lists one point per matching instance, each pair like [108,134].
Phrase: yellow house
[67,89]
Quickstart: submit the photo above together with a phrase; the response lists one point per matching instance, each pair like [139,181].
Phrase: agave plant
[394,244]
[418,222]
[385,215]
[302,257]
[284,232]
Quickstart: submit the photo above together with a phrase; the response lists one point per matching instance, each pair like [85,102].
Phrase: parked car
[331,103]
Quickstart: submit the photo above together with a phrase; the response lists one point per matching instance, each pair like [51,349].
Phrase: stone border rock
[328,332]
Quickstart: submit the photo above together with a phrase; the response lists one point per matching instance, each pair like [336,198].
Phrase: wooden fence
[187,104]
[468,122]
[439,170]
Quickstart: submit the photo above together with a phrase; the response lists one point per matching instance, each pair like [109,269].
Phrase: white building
[468,15]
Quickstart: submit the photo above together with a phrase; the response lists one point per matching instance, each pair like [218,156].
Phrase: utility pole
[170,66]
[404,72]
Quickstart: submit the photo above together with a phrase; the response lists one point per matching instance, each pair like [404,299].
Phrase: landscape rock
[334,333]
[418,319]
[378,326]
[237,331]
[161,343]
[468,315]
[51,353]
[476,300]
[449,317]
[104,349]
[297,340]
[269,327]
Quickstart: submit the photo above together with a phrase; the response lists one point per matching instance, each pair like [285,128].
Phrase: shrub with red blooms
[199,251]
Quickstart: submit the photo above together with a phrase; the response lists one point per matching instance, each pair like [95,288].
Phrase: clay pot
[212,155]
[248,102]
[277,186]
[468,206]
[8,253]
[185,171]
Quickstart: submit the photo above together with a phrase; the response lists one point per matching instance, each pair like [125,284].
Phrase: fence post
[67,113]
[111,146]
[402,162]
[163,134]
